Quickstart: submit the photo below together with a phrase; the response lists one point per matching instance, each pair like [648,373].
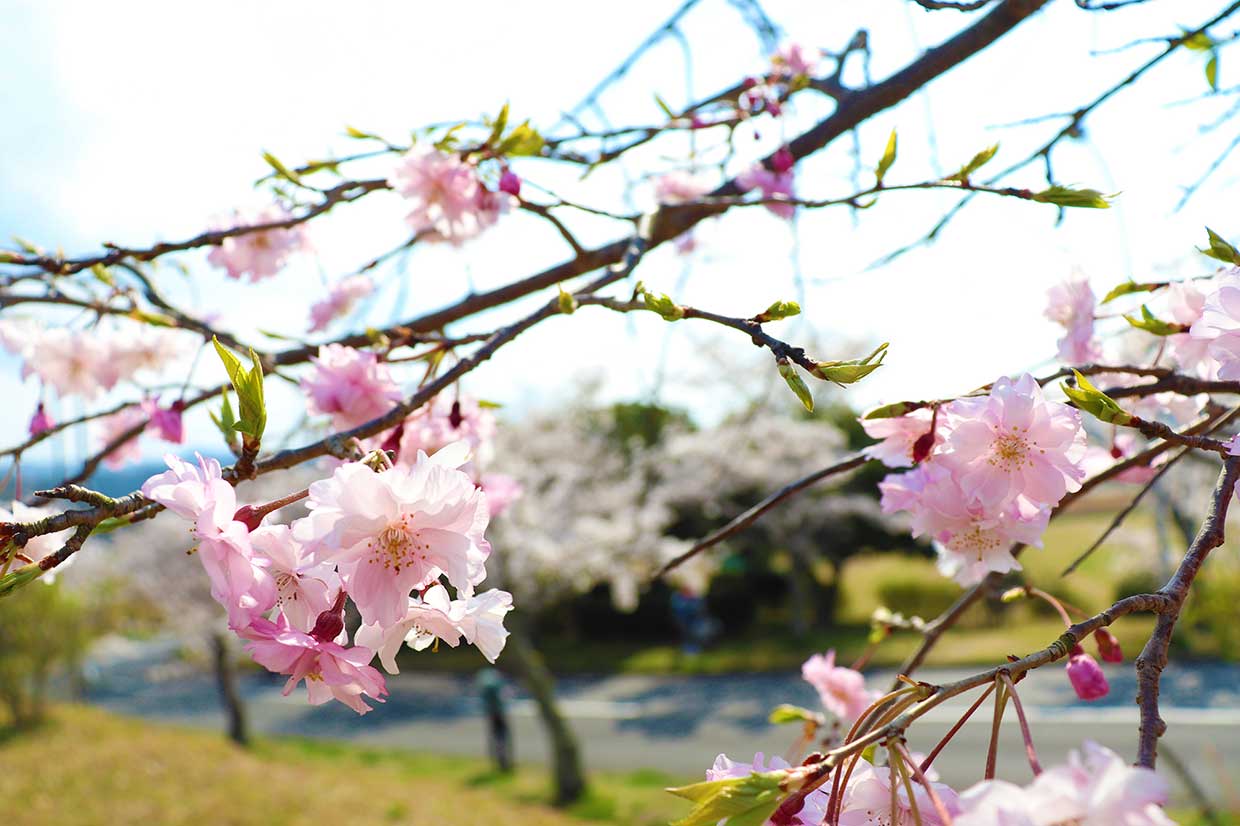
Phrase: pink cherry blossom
[395,531]
[680,187]
[341,298]
[38,547]
[479,620]
[330,670]
[501,490]
[1071,305]
[795,60]
[1086,676]
[113,427]
[185,489]
[165,421]
[72,363]
[770,184]
[867,800]
[842,690]
[261,254]
[1095,787]
[349,385]
[1186,302]
[1219,326]
[41,421]
[1108,646]
[239,579]
[447,201]
[510,183]
[444,421]
[1014,443]
[304,589]
[899,434]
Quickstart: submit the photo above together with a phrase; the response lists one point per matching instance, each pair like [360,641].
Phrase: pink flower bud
[774,108]
[923,446]
[249,516]
[750,82]
[1108,646]
[697,123]
[166,421]
[782,160]
[510,183]
[328,626]
[1086,676]
[40,422]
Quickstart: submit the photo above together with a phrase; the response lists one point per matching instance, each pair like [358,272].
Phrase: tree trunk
[520,654]
[230,698]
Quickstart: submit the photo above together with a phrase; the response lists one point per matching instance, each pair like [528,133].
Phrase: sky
[133,122]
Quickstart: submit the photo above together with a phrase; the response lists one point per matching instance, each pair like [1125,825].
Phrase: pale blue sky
[131,122]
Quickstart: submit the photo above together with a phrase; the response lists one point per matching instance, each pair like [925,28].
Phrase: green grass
[86,767]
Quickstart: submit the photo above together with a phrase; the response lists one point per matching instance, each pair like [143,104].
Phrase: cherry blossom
[113,427]
[185,488]
[349,385]
[1071,305]
[795,60]
[899,434]
[304,589]
[814,809]
[330,670]
[395,531]
[1219,326]
[1186,302]
[341,298]
[261,254]
[444,421]
[680,187]
[841,690]
[1013,443]
[867,800]
[771,184]
[447,201]
[435,617]
[165,421]
[502,490]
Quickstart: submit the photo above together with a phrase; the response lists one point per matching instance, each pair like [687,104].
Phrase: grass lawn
[89,768]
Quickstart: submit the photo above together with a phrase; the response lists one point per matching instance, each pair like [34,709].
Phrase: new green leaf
[786,713]
[847,372]
[789,371]
[1152,324]
[777,311]
[1094,402]
[249,387]
[1129,287]
[979,160]
[736,801]
[662,304]
[1068,197]
[888,158]
[1220,250]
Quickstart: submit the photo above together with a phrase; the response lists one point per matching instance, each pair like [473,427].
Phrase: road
[678,724]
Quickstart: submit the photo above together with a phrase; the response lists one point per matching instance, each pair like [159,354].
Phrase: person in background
[491,688]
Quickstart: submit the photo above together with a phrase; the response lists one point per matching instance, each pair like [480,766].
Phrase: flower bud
[922,447]
[249,516]
[1108,646]
[40,422]
[1086,676]
[782,160]
[510,183]
[328,626]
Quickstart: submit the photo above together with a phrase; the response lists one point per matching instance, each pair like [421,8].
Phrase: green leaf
[103,274]
[1151,324]
[735,801]
[29,246]
[522,140]
[1220,250]
[847,372]
[778,311]
[567,302]
[1067,197]
[890,411]
[498,126]
[1129,287]
[154,319]
[280,169]
[667,110]
[1198,42]
[663,305]
[786,713]
[358,134]
[486,404]
[979,160]
[1094,402]
[249,387]
[888,158]
[789,371]
[1212,71]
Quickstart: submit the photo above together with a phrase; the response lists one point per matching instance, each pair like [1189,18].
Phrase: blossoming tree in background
[397,520]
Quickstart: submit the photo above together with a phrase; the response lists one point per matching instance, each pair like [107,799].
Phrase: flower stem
[925,764]
[1030,751]
[992,754]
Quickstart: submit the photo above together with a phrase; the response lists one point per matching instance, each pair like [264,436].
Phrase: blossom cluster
[989,470]
[260,254]
[448,200]
[394,542]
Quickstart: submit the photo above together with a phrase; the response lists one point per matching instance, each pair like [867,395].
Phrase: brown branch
[752,515]
[1153,658]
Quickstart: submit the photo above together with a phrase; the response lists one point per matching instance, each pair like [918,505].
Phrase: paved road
[679,724]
